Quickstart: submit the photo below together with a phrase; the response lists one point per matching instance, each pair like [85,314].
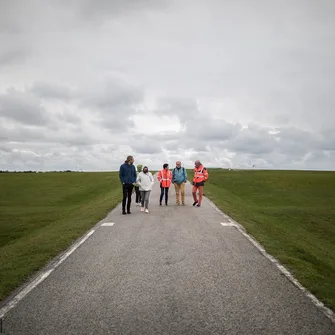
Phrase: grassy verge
[41,214]
[291,213]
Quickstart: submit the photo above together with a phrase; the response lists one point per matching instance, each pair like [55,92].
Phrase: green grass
[41,214]
[291,213]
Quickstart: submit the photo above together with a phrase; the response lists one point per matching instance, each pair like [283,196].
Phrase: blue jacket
[127,173]
[179,175]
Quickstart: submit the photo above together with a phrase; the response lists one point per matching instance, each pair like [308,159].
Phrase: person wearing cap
[165,179]
[145,180]
[127,175]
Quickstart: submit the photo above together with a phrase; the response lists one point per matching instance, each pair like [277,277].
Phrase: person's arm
[185,174]
[173,176]
[152,179]
[138,180]
[134,174]
[121,174]
[205,174]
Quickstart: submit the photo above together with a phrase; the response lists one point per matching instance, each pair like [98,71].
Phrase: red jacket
[165,178]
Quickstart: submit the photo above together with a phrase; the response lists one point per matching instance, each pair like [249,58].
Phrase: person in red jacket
[165,179]
[199,179]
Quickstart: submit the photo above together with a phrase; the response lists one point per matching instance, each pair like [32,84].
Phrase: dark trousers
[138,194]
[127,191]
[164,190]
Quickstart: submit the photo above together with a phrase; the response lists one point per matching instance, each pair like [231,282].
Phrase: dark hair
[165,165]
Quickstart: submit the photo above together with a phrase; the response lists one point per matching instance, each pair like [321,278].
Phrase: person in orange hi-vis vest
[165,180]
[199,179]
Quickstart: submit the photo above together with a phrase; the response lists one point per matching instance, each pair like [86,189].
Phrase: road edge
[319,304]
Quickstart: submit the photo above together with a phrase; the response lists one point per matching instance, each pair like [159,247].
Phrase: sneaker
[166,204]
[195,202]
[147,210]
[198,205]
[128,212]
[124,213]
[183,204]
[142,209]
[177,203]
[160,204]
[138,204]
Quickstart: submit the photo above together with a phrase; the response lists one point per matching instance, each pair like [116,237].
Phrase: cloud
[91,10]
[233,84]
[22,107]
[12,56]
[53,91]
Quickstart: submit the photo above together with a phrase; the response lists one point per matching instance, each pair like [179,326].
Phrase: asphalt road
[176,270]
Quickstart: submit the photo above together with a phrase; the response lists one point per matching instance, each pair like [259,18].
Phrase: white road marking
[227,224]
[107,224]
[4,310]
[328,312]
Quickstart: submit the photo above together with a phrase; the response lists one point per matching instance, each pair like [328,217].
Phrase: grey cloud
[113,121]
[90,9]
[38,136]
[143,146]
[113,93]
[22,107]
[22,134]
[113,103]
[69,117]
[8,9]
[212,129]
[184,108]
[5,147]
[53,91]
[254,139]
[12,56]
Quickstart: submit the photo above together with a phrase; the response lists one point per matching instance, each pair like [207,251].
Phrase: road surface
[176,270]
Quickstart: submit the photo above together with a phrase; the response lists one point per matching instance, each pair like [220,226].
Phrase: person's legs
[177,188]
[182,191]
[130,191]
[124,199]
[161,196]
[201,189]
[138,195]
[194,193]
[166,195]
[142,199]
[146,201]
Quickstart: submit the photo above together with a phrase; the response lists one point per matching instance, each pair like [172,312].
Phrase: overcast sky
[84,83]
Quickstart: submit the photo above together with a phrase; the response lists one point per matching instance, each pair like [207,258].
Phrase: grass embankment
[41,214]
[291,213]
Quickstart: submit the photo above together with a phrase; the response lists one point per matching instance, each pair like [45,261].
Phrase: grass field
[41,214]
[291,213]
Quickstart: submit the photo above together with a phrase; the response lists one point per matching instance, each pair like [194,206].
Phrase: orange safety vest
[200,174]
[165,178]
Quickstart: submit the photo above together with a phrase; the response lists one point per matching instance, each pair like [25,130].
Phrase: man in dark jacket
[127,175]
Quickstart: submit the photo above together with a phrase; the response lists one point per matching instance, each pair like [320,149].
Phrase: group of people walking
[142,180]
